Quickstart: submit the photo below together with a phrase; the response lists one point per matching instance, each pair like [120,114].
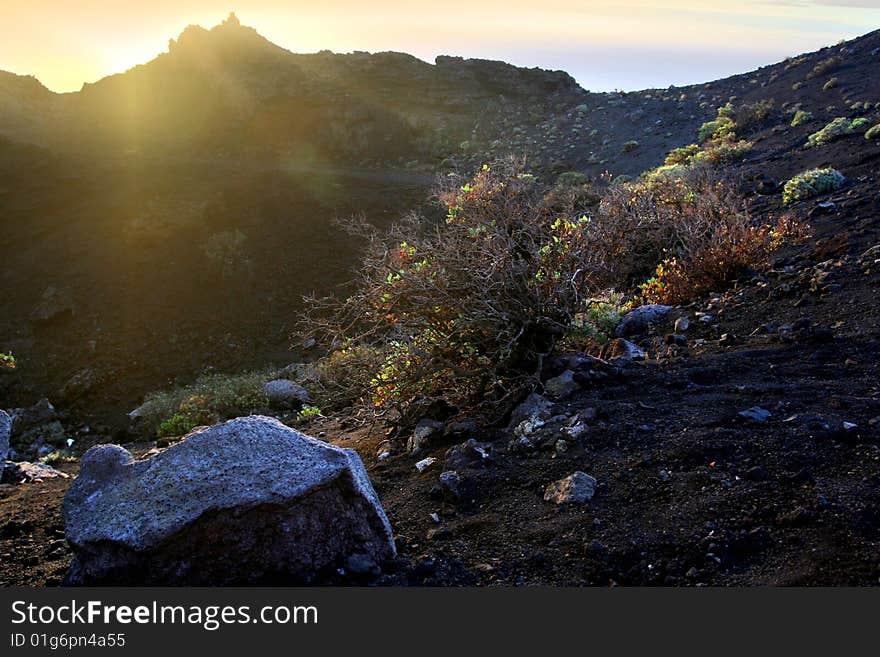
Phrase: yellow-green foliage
[723,152]
[811,183]
[683,155]
[7,361]
[830,84]
[572,179]
[211,399]
[873,133]
[825,67]
[839,127]
[801,117]
[717,130]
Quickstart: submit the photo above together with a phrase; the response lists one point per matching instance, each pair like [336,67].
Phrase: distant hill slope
[229,91]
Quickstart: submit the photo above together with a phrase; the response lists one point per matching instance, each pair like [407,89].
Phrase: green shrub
[683,155]
[801,117]
[724,152]
[211,399]
[796,86]
[464,313]
[694,226]
[753,115]
[873,133]
[717,130]
[825,67]
[859,123]
[828,86]
[630,146]
[7,361]
[308,413]
[839,127]
[572,179]
[811,183]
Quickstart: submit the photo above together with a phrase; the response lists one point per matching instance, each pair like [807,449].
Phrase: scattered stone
[577,488]
[25,472]
[534,406]
[676,339]
[424,464]
[682,324]
[638,320]
[284,393]
[621,350]
[424,435]
[450,484]
[470,454]
[385,450]
[756,414]
[243,502]
[561,386]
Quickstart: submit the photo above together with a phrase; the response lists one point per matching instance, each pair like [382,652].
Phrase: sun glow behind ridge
[605,45]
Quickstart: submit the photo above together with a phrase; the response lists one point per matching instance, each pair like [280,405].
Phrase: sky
[629,44]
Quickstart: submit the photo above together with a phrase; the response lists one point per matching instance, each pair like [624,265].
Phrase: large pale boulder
[249,501]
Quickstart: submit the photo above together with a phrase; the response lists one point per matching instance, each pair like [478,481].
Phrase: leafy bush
[873,133]
[839,127]
[7,361]
[753,115]
[464,312]
[572,179]
[825,67]
[718,129]
[724,152]
[811,183]
[211,399]
[801,117]
[693,225]
[716,256]
[308,413]
[683,155]
[828,86]
[859,123]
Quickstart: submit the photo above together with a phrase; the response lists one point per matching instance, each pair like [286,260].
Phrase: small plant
[572,179]
[683,155]
[7,361]
[308,413]
[828,86]
[811,183]
[796,86]
[56,457]
[839,127]
[630,146]
[825,67]
[753,115]
[718,129]
[801,117]
[211,399]
[873,133]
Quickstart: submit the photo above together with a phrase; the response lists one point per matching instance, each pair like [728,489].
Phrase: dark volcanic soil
[689,492]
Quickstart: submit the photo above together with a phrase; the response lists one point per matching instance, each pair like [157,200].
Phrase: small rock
[424,464]
[561,386]
[450,484]
[534,406]
[682,324]
[470,454]
[284,393]
[577,488]
[756,414]
[25,472]
[638,320]
[624,350]
[425,433]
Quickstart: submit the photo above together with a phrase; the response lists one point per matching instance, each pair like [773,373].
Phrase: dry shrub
[754,115]
[464,311]
[686,233]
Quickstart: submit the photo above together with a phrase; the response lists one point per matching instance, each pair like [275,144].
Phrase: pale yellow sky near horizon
[604,45]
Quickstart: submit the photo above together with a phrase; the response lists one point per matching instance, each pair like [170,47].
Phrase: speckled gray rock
[5,431]
[249,501]
[561,386]
[576,488]
[283,393]
[638,320]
